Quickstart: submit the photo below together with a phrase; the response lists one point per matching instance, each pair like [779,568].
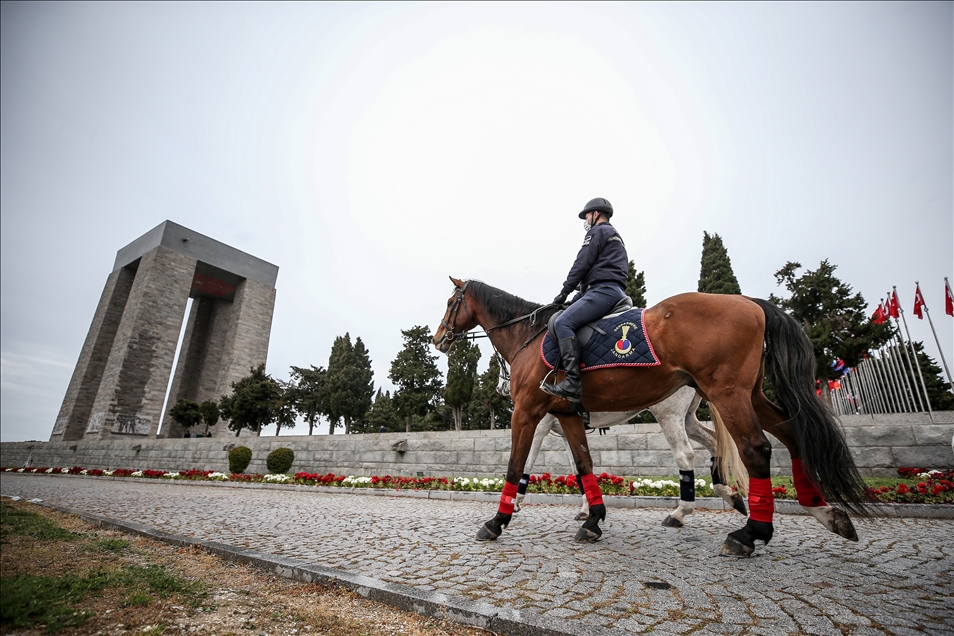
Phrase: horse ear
[457,283]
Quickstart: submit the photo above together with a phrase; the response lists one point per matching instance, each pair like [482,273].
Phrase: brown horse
[711,342]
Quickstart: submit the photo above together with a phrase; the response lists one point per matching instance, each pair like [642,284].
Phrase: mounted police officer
[600,272]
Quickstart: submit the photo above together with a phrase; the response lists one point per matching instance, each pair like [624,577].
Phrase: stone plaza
[420,553]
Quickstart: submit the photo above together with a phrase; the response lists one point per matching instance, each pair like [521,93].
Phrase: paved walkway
[898,579]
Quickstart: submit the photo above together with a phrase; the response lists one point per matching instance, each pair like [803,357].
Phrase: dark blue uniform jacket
[602,259]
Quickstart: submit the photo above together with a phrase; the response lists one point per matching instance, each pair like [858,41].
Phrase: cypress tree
[489,408]
[382,414]
[348,382]
[414,371]
[461,378]
[716,275]
[636,286]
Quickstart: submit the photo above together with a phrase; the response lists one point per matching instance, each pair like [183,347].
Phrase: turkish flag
[948,299]
[878,316]
[893,305]
[918,302]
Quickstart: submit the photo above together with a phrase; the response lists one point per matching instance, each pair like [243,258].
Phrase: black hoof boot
[671,522]
[590,532]
[493,528]
[741,543]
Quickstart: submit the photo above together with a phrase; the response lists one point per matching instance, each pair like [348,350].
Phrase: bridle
[450,335]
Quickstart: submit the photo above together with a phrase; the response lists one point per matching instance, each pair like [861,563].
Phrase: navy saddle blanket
[622,343]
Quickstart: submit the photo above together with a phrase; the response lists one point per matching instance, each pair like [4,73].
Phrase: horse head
[457,320]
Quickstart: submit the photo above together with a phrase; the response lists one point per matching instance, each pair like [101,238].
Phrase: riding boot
[572,387]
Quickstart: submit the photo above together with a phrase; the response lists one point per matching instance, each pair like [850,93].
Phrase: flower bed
[928,486]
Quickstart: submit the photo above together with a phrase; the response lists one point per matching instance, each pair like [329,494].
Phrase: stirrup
[556,391]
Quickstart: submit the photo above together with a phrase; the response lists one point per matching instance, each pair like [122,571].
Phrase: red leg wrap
[761,500]
[808,494]
[507,498]
[594,496]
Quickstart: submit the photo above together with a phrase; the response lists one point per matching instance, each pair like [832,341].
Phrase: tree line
[834,318]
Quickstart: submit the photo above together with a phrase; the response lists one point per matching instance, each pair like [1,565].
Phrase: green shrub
[239,459]
[280,460]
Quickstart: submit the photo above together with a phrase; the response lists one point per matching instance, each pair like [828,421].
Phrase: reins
[450,335]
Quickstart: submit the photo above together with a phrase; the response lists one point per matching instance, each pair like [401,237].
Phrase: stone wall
[880,444]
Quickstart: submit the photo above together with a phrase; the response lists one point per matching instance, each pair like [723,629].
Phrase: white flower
[138,473]
[170,475]
[49,470]
[83,472]
[351,480]
[277,479]
[217,476]
[108,473]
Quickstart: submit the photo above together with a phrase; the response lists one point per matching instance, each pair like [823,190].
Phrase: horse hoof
[739,504]
[581,516]
[734,548]
[486,534]
[671,522]
[585,535]
[842,525]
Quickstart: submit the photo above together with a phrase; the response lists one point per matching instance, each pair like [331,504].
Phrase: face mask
[586,224]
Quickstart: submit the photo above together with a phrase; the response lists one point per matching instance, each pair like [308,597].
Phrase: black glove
[560,299]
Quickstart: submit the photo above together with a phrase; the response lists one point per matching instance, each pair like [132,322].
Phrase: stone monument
[119,383]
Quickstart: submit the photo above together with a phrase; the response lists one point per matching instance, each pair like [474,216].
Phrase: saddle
[617,340]
[584,333]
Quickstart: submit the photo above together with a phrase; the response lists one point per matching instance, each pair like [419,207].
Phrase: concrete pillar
[74,414]
[134,383]
[204,346]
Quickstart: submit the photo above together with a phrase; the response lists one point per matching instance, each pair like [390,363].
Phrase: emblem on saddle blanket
[617,341]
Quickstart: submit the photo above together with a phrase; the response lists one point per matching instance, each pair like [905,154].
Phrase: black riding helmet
[598,205]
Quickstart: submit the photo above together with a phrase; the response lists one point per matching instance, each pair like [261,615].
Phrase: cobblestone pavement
[898,579]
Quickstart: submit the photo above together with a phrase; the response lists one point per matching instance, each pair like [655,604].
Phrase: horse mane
[503,306]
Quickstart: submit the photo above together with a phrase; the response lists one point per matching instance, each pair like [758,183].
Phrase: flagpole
[854,397]
[927,398]
[891,365]
[869,400]
[907,371]
[938,342]
[873,388]
[912,385]
[892,399]
[899,368]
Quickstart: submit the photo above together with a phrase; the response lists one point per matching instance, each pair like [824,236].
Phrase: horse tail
[789,361]
[728,462]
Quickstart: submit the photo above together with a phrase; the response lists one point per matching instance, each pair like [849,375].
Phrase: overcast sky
[372,149]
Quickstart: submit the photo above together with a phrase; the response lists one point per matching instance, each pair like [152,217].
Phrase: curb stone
[404,597]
